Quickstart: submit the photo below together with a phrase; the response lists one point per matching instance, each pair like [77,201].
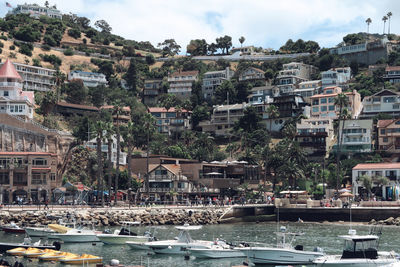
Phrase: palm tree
[368,21]
[148,127]
[241,40]
[272,112]
[100,125]
[59,78]
[367,183]
[117,110]
[128,136]
[384,23]
[109,127]
[389,14]
[342,102]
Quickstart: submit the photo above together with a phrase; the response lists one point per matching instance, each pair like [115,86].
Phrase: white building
[376,170]
[35,78]
[292,74]
[263,94]
[104,149]
[357,136]
[336,77]
[89,79]
[13,100]
[36,11]
[385,101]
[213,79]
[308,89]
[180,83]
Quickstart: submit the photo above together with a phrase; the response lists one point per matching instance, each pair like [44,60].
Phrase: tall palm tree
[100,125]
[117,111]
[342,102]
[109,127]
[368,21]
[128,135]
[241,40]
[389,14]
[59,79]
[272,112]
[384,23]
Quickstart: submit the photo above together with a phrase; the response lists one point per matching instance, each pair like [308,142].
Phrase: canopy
[346,194]
[297,192]
[214,173]
[343,190]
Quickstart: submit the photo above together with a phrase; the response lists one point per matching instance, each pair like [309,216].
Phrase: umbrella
[346,194]
[344,190]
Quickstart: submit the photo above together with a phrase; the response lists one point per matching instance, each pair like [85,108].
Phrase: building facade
[181,83]
[391,171]
[336,77]
[92,144]
[89,79]
[251,74]
[323,105]
[385,102]
[213,79]
[36,11]
[13,100]
[172,120]
[292,74]
[357,136]
[151,91]
[308,89]
[389,135]
[392,74]
[263,94]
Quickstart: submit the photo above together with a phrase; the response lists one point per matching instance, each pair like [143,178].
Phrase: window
[323,100]
[390,99]
[385,139]
[171,115]
[5,93]
[331,108]
[331,100]
[52,176]
[4,178]
[315,109]
[323,108]
[315,102]
[383,131]
[39,162]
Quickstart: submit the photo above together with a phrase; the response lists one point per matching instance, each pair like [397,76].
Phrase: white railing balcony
[10,84]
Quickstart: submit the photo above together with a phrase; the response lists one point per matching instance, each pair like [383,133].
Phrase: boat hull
[280,256]
[38,232]
[81,261]
[13,230]
[111,239]
[323,262]
[216,254]
[137,245]
[161,247]
[66,238]
[7,246]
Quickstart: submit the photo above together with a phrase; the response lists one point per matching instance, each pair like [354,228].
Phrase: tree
[250,121]
[197,47]
[384,19]
[76,92]
[389,14]
[367,183]
[128,136]
[241,40]
[48,102]
[117,111]
[368,21]
[222,91]
[99,140]
[169,100]
[212,48]
[109,128]
[46,4]
[169,47]
[341,101]
[272,112]
[132,75]
[150,60]
[224,43]
[103,26]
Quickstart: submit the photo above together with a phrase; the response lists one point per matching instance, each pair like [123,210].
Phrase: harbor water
[315,235]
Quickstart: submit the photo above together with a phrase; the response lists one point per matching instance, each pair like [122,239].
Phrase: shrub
[68,52]
[84,40]
[16,43]
[27,34]
[46,47]
[26,49]
[1,50]
[91,33]
[49,40]
[36,62]
[118,43]
[3,37]
[75,33]
[12,47]
[53,59]
[106,41]
[13,55]
[150,59]
[1,45]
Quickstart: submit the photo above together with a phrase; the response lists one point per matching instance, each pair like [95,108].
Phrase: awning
[296,192]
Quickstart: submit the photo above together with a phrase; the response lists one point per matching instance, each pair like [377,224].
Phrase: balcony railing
[20,183]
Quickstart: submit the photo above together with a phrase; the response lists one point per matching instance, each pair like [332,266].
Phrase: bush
[91,33]
[106,41]
[12,47]
[3,37]
[27,34]
[118,43]
[46,47]
[16,43]
[49,40]
[75,33]
[53,59]
[1,50]
[26,49]
[13,55]
[150,59]
[69,52]
[84,40]
[1,45]
[36,62]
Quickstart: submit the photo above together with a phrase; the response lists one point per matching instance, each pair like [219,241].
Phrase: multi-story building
[315,136]
[35,78]
[392,74]
[356,136]
[251,74]
[336,77]
[292,74]
[323,105]
[263,94]
[385,102]
[308,89]
[180,83]
[223,119]
[89,79]
[213,79]
[247,50]
[92,144]
[13,100]
[36,11]
[390,170]
[389,135]
[151,91]
[172,120]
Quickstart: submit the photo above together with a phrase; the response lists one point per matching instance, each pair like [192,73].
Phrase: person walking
[46,204]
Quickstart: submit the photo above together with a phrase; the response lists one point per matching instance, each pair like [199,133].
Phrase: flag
[8,4]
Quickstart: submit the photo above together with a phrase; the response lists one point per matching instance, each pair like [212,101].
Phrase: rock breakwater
[149,216]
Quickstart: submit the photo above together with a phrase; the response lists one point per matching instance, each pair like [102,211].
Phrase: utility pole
[147,161]
[229,122]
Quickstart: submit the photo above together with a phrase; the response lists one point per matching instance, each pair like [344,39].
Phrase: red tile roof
[387,165]
[384,123]
[392,68]
[8,71]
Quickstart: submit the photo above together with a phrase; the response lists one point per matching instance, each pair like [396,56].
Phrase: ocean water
[315,235]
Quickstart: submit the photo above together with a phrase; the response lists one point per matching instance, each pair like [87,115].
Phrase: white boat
[39,231]
[180,244]
[283,253]
[218,250]
[119,237]
[77,236]
[358,251]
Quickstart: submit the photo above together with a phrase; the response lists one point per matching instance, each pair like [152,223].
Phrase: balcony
[20,183]
[10,84]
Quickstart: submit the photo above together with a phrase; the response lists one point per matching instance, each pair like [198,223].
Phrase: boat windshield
[184,237]
[360,249]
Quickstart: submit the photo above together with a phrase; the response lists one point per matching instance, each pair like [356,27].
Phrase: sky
[263,23]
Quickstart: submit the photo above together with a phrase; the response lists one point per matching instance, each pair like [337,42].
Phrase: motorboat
[359,251]
[27,243]
[16,251]
[36,252]
[138,245]
[39,231]
[81,260]
[54,256]
[13,228]
[220,249]
[77,235]
[283,253]
[119,237]
[179,245]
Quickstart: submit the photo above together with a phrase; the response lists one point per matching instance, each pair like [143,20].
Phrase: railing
[10,84]
[23,183]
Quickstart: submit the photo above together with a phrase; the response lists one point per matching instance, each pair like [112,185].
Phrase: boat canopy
[188,227]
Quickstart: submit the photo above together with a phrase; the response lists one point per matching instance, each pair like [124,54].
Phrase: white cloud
[266,23]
